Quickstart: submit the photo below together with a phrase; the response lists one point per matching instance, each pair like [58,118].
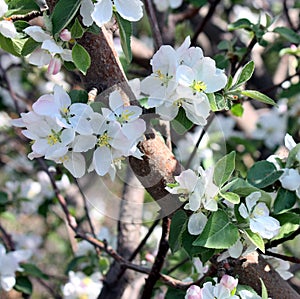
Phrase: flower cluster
[225,289]
[9,264]
[200,191]
[182,78]
[61,131]
[51,52]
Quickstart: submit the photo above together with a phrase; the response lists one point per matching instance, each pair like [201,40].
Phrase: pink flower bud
[229,282]
[65,35]
[194,292]
[54,66]
[150,257]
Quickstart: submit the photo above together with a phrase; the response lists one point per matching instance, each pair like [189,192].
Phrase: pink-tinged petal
[45,105]
[61,98]
[37,33]
[229,282]
[65,35]
[54,66]
[7,28]
[75,163]
[102,160]
[102,12]
[39,57]
[194,292]
[130,10]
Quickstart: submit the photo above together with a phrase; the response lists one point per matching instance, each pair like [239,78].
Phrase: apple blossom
[65,35]
[9,264]
[163,5]
[130,10]
[193,292]
[7,27]
[290,180]
[258,214]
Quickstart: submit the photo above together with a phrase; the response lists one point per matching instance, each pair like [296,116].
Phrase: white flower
[86,9]
[58,105]
[290,180]
[49,48]
[245,294]
[260,221]
[7,28]
[9,264]
[289,142]
[82,286]
[130,10]
[163,5]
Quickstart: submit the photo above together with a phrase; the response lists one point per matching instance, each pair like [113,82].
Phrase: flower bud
[229,282]
[65,35]
[54,66]
[193,292]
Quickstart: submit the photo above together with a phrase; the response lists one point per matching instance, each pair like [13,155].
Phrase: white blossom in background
[290,180]
[82,286]
[163,5]
[130,10]
[9,265]
[50,53]
[181,78]
[258,215]
[7,27]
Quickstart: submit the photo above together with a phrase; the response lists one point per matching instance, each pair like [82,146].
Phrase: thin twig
[210,13]
[178,265]
[275,243]
[154,275]
[154,24]
[286,13]
[283,257]
[7,239]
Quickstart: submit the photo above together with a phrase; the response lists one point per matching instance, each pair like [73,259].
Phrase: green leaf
[256,239]
[104,265]
[237,110]
[29,46]
[78,96]
[256,95]
[292,156]
[284,200]
[125,28]
[218,233]
[243,189]
[3,198]
[245,74]
[181,123]
[240,24]
[264,292]
[175,294]
[81,58]
[231,197]
[198,3]
[289,222]
[288,34]
[263,174]
[21,7]
[76,30]
[224,169]
[63,13]
[217,102]
[12,46]
[34,271]
[21,25]
[23,285]
[177,227]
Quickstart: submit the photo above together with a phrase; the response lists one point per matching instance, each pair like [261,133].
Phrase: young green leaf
[76,30]
[23,285]
[63,13]
[34,271]
[29,46]
[181,123]
[288,34]
[284,200]
[256,239]
[231,197]
[177,227]
[81,58]
[218,233]
[264,292]
[12,46]
[256,95]
[125,28]
[240,24]
[237,110]
[263,174]
[245,74]
[224,169]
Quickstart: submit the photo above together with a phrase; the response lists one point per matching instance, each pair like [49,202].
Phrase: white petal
[39,57]
[289,142]
[7,282]
[243,211]
[51,46]
[61,98]
[66,55]
[161,5]
[3,8]
[37,33]
[45,106]
[102,160]
[185,75]
[236,250]
[7,28]
[135,129]
[67,136]
[86,10]
[115,100]
[130,10]
[83,143]
[102,12]
[75,164]
[197,223]
[175,3]
[290,179]
[252,199]
[167,112]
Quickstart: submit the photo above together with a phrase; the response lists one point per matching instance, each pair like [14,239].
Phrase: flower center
[198,86]
[63,159]
[103,140]
[53,138]
[124,117]
[165,78]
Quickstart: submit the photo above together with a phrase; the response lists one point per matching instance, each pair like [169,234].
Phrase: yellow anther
[103,140]
[124,117]
[53,138]
[198,86]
